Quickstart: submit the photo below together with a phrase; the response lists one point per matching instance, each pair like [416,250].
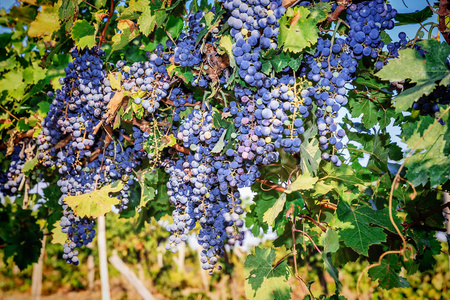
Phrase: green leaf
[416,17]
[13,80]
[387,273]
[405,100]
[46,22]
[330,241]
[429,162]
[29,165]
[410,64]
[264,200]
[310,152]
[423,71]
[331,269]
[303,182]
[344,174]
[368,110]
[174,26]
[148,191]
[302,32]
[226,46]
[96,203]
[83,34]
[280,61]
[263,281]
[20,234]
[266,67]
[272,213]
[355,228]
[385,37]
[58,237]
[67,9]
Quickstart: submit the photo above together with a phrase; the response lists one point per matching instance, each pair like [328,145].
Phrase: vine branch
[102,37]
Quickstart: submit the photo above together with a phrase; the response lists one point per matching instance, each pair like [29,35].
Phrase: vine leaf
[147,22]
[330,241]
[430,160]
[331,269]
[355,226]
[298,28]
[272,213]
[425,71]
[368,110]
[310,152]
[58,237]
[388,273]
[46,22]
[410,64]
[29,165]
[263,281]
[220,143]
[303,182]
[147,190]
[127,33]
[83,34]
[416,17]
[96,203]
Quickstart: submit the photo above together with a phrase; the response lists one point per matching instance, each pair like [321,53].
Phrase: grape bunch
[254,26]
[198,194]
[72,140]
[367,19]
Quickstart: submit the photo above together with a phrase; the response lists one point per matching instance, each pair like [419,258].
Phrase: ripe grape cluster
[71,141]
[198,193]
[367,19]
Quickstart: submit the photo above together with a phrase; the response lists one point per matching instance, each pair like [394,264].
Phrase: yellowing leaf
[272,213]
[58,237]
[96,203]
[46,22]
[128,32]
[303,182]
[115,82]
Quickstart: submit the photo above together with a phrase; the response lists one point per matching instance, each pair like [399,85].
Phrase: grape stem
[294,252]
[170,102]
[289,3]
[342,5]
[9,113]
[313,221]
[90,4]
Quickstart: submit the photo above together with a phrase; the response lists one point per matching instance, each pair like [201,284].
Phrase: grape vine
[179,111]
